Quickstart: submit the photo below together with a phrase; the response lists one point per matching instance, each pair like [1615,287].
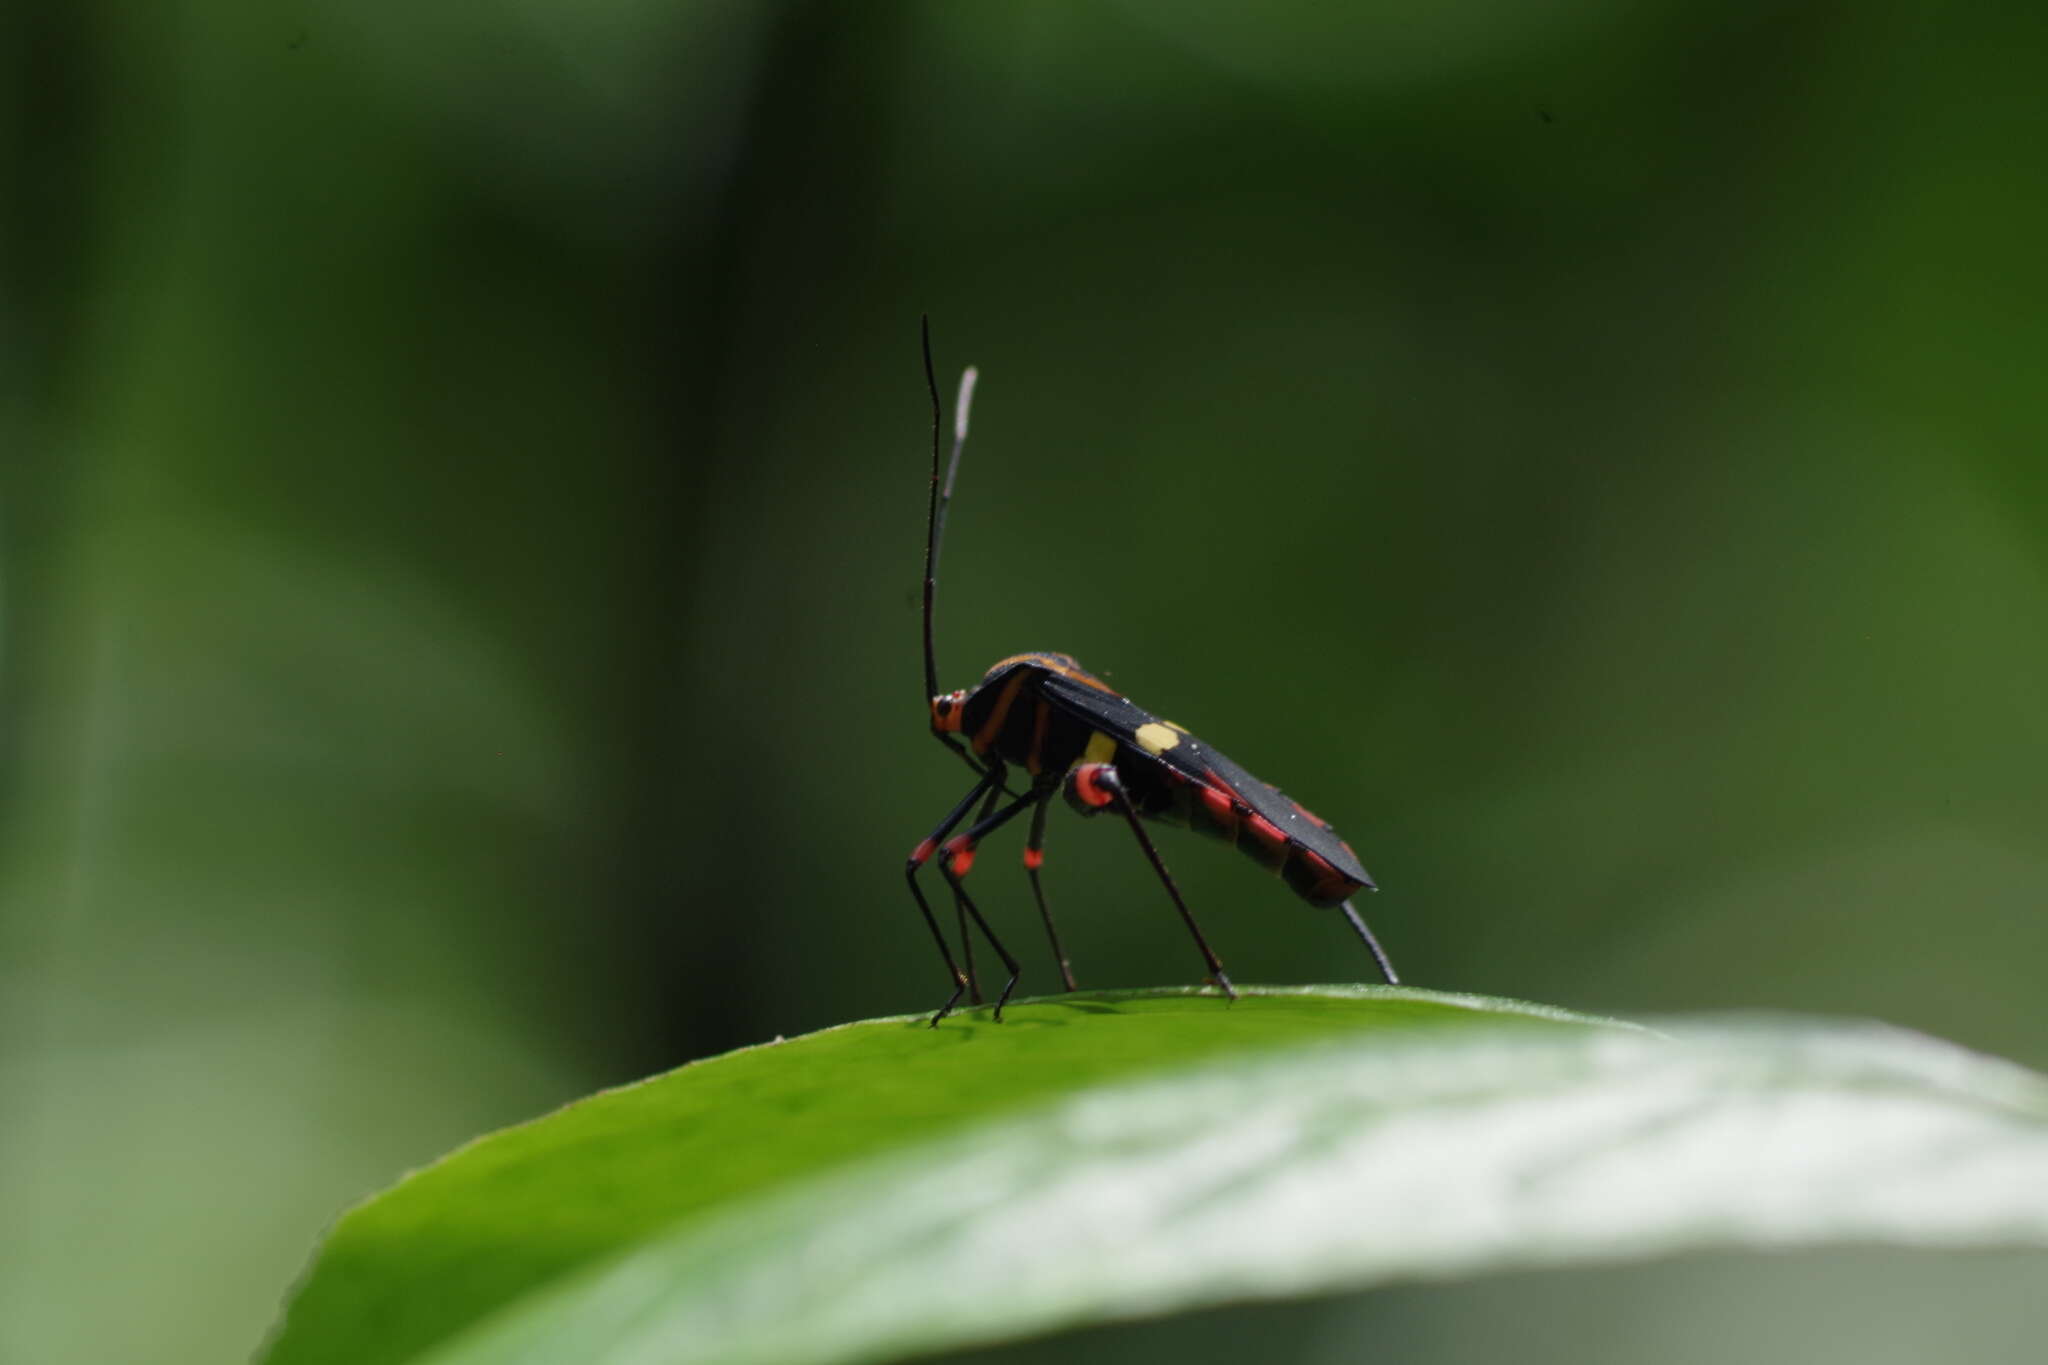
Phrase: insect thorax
[1009,717]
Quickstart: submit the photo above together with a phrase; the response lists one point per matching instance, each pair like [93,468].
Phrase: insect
[1071,733]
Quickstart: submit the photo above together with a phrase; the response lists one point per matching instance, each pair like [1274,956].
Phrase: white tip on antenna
[964,402]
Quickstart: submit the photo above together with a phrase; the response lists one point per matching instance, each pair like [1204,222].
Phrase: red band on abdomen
[1265,831]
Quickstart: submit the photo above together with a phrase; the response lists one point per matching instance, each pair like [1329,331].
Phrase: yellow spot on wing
[1156,737]
[1101,749]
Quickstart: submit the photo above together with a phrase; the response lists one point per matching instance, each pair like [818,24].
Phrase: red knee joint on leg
[959,855]
[922,854]
[1095,783]
[1034,858]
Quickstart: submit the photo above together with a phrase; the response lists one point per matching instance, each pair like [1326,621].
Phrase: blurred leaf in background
[463,480]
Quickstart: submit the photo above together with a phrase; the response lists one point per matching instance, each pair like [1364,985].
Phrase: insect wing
[1136,728]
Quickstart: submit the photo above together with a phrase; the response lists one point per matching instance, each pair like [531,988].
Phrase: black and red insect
[1070,732]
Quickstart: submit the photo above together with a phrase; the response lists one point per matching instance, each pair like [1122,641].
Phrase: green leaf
[884,1188]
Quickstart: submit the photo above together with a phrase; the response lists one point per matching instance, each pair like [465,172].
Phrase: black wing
[1135,728]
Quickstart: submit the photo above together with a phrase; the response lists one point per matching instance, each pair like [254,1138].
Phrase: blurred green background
[463,491]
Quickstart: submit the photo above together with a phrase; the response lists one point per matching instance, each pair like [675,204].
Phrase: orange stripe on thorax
[1054,663]
[993,726]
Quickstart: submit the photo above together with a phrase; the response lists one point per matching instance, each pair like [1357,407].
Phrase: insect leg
[959,749]
[921,855]
[988,803]
[1379,954]
[959,858]
[1034,858]
[1110,791]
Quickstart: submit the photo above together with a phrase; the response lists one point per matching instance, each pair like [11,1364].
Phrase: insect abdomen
[1172,797]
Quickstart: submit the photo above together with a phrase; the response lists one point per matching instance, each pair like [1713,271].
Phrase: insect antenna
[941,497]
